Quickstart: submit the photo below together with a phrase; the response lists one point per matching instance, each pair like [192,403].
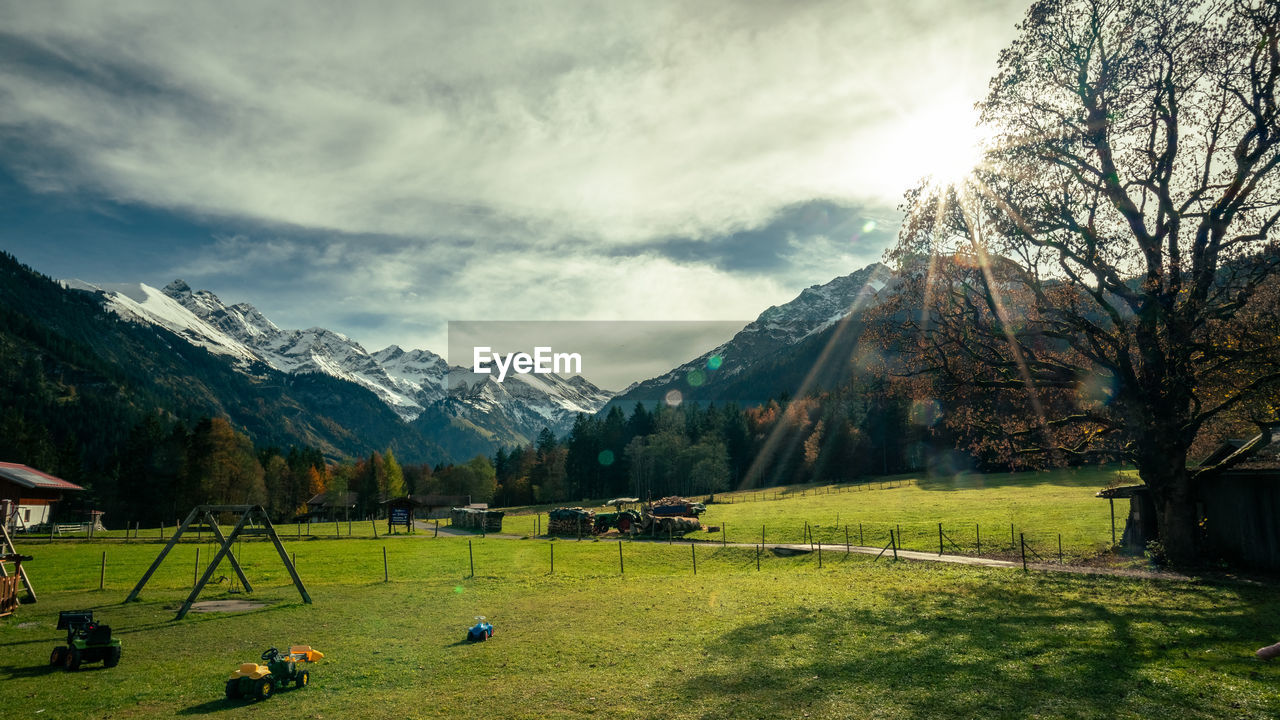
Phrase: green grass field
[855,638]
[1039,506]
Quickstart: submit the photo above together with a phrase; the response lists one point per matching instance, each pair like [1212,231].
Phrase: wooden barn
[31,493]
[438,506]
[1239,508]
[327,506]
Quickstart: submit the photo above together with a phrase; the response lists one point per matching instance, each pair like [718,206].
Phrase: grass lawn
[855,638]
[1039,505]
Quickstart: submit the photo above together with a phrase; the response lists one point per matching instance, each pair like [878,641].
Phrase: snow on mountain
[408,381]
[815,309]
[520,406]
[420,373]
[142,303]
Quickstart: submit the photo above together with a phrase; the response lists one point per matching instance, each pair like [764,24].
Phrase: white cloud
[615,122]
[406,296]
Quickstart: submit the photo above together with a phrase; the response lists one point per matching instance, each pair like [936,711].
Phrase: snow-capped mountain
[524,400]
[408,381]
[766,342]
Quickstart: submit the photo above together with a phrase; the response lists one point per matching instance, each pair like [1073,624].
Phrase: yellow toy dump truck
[252,680]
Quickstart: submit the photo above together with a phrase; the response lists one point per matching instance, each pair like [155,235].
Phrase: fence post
[846,539]
[724,534]
[939,539]
[437,532]
[977,533]
[386,577]
[1023,540]
[757,558]
[893,542]
[1059,548]
[621,569]
[1013,539]
[819,554]
[694,549]
[374,524]
[1112,502]
[102,574]
[553,556]
[762,534]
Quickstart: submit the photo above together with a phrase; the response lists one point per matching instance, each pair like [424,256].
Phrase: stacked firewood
[570,521]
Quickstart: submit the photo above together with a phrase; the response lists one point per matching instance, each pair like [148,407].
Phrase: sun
[943,144]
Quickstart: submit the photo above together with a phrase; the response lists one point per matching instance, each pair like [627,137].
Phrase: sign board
[399,516]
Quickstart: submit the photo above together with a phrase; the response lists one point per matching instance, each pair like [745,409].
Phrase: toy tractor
[481,631]
[259,682]
[87,641]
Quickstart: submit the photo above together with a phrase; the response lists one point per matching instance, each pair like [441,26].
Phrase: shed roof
[26,477]
[1124,491]
[325,500]
[441,500]
[1267,457]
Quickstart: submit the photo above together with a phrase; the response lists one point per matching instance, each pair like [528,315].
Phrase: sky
[381,168]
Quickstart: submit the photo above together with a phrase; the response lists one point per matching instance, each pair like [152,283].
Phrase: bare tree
[1121,220]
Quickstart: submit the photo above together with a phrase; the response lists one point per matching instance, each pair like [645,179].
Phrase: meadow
[976,512]
[854,638]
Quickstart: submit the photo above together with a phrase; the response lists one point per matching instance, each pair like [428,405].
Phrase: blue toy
[481,631]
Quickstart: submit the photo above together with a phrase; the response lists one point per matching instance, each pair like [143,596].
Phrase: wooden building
[438,506]
[327,506]
[32,494]
[1239,509]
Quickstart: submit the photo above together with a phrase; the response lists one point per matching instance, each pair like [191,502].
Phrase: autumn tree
[222,464]
[1085,278]
[395,476]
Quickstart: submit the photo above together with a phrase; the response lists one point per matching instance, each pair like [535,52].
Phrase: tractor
[87,642]
[252,680]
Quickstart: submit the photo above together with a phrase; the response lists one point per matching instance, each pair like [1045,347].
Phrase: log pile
[674,505]
[570,521]
[676,526]
[476,519]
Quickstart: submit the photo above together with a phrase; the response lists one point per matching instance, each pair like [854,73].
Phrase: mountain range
[455,413]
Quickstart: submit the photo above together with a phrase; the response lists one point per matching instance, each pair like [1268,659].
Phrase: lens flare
[1095,391]
[605,457]
[674,398]
[695,378]
[714,362]
[925,411]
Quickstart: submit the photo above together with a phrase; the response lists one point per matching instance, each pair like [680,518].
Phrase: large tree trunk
[1163,468]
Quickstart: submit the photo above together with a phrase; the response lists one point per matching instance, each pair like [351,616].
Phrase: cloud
[405,293]
[620,123]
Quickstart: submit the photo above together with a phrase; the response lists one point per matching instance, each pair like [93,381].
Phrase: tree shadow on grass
[984,651]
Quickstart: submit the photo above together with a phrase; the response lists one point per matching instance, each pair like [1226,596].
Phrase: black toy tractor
[259,682]
[87,641]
